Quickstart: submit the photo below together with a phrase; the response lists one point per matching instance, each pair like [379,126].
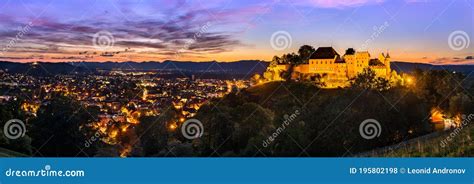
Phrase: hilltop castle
[335,70]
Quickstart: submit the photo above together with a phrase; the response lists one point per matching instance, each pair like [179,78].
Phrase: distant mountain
[41,68]
[211,69]
[408,67]
[237,67]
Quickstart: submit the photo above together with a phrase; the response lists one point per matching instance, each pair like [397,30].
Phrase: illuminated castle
[335,70]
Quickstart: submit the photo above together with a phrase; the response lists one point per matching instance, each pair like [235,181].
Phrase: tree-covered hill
[286,118]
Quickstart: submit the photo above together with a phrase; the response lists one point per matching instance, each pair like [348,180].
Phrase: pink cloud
[452,61]
[340,3]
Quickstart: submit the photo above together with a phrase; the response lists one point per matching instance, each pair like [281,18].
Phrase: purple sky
[229,30]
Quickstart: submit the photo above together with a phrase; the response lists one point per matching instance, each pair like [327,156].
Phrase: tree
[218,126]
[275,61]
[367,79]
[178,149]
[106,150]
[233,127]
[272,71]
[256,79]
[442,89]
[61,128]
[253,125]
[8,111]
[292,59]
[153,132]
[305,52]
[269,75]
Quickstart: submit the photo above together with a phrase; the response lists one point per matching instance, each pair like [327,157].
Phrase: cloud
[454,61]
[340,3]
[196,30]
[418,1]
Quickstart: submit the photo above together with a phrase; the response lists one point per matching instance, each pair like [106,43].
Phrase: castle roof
[325,53]
[339,60]
[375,62]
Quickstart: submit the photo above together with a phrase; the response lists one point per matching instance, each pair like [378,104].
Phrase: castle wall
[351,63]
[333,74]
[380,71]
[362,61]
[303,68]
[322,66]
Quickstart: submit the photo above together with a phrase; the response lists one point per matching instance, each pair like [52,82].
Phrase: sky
[427,31]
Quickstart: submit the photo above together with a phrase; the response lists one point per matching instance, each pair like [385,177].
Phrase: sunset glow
[225,30]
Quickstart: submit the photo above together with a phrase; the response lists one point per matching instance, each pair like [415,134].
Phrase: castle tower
[387,64]
[362,61]
[382,58]
[350,59]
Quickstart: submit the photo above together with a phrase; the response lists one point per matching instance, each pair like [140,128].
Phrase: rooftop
[324,53]
[375,62]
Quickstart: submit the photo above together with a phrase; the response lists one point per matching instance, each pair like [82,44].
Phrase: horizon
[255,60]
[412,31]
[250,60]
